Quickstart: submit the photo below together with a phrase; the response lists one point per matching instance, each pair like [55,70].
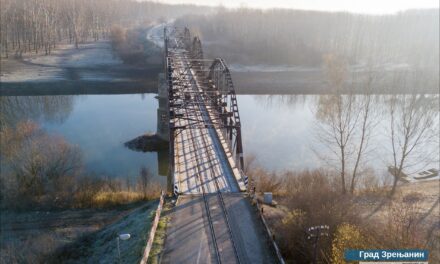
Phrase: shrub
[312,198]
[348,236]
[118,36]
[403,225]
[43,171]
[128,45]
[38,169]
[265,181]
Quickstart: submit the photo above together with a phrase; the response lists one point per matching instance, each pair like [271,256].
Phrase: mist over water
[280,130]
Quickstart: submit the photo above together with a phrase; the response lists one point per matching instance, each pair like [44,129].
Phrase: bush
[265,181]
[37,168]
[403,223]
[128,45]
[348,237]
[312,198]
[42,171]
[118,36]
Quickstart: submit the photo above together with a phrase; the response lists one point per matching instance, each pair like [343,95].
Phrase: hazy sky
[358,6]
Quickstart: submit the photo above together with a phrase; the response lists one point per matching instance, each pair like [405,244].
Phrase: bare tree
[296,37]
[35,25]
[365,133]
[38,167]
[368,123]
[345,123]
[336,116]
[249,163]
[413,131]
[144,181]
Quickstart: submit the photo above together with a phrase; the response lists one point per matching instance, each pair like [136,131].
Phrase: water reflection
[98,124]
[290,100]
[283,130]
[39,108]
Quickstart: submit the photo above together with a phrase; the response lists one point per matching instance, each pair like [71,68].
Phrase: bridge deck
[188,239]
[211,222]
[202,156]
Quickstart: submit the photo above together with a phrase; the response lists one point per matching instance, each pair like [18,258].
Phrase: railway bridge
[204,122]
[213,221]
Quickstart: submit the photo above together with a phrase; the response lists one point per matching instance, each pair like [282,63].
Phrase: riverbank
[33,236]
[314,81]
[410,219]
[93,68]
[101,246]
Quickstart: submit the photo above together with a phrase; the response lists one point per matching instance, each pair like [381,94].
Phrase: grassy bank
[101,246]
[159,237]
[32,236]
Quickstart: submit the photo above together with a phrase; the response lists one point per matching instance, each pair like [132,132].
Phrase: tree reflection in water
[47,108]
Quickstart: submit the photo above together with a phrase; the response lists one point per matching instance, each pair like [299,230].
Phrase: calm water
[278,130]
[282,131]
[99,125]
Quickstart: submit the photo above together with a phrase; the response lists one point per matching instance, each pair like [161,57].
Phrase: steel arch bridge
[206,148]
[206,161]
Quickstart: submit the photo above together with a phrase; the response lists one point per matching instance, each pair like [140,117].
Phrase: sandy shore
[92,67]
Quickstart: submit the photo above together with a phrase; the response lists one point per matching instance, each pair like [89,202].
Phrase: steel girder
[191,85]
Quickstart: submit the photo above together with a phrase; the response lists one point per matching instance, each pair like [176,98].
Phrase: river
[282,132]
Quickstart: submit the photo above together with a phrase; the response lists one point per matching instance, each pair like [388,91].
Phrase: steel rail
[218,192]
[205,199]
[204,109]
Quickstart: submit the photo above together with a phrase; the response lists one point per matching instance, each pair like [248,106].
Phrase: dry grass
[311,198]
[30,249]
[108,199]
[160,235]
[265,181]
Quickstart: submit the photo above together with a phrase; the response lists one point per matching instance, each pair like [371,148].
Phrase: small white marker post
[121,237]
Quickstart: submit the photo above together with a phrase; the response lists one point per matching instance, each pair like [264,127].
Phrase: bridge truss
[215,93]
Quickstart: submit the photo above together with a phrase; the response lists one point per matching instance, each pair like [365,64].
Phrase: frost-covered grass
[101,246]
[159,237]
[32,236]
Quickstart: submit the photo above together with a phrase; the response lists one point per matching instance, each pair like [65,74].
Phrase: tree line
[38,25]
[295,37]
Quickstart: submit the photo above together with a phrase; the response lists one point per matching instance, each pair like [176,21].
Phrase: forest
[243,36]
[38,25]
[295,37]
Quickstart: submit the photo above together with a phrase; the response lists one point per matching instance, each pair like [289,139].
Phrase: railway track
[202,153]
[216,225]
